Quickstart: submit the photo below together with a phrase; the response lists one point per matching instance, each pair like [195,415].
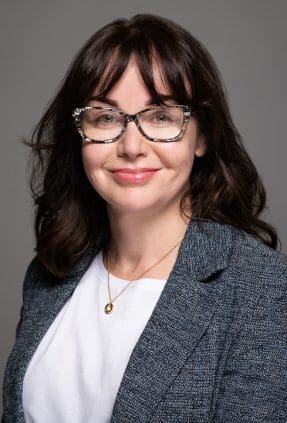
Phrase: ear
[201,146]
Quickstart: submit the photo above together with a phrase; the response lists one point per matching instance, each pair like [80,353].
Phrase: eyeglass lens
[160,123]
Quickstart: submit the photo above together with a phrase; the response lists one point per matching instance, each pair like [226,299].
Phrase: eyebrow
[113,103]
[106,100]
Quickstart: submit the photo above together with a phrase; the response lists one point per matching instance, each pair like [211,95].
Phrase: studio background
[38,40]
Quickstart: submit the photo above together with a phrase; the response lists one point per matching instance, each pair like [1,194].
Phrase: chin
[140,207]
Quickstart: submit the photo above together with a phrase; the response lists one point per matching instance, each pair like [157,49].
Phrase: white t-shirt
[76,371]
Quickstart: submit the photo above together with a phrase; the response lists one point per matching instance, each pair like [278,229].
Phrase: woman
[156,293]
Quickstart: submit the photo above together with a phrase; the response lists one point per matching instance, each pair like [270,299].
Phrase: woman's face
[134,175]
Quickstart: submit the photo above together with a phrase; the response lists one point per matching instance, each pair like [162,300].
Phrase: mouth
[134,176]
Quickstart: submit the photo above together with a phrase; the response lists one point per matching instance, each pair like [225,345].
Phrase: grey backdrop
[38,39]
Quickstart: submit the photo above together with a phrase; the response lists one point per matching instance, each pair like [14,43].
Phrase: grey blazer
[214,348]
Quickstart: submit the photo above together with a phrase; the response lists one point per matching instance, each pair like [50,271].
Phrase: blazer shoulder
[210,247]
[259,263]
[35,273]
[36,280]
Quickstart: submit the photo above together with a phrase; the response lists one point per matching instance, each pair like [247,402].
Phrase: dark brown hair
[224,184]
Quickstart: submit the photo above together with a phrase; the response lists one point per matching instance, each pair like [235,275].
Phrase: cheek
[88,164]
[93,161]
[181,159]
[93,157]
[185,170]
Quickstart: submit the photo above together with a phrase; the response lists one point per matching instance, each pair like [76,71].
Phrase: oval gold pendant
[109,308]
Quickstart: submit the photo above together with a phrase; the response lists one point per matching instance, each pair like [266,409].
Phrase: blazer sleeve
[27,294]
[28,291]
[253,386]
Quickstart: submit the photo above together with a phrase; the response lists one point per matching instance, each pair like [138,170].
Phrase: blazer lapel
[181,315]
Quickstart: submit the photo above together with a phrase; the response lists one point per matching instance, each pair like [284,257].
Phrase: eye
[106,118]
[162,117]
[102,118]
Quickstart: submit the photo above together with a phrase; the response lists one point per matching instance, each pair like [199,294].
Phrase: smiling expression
[134,174]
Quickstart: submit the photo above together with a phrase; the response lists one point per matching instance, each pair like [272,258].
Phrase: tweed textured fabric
[214,349]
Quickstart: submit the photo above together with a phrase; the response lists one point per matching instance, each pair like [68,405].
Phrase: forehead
[130,93]
[134,74]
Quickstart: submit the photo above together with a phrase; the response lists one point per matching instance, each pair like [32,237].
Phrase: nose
[132,143]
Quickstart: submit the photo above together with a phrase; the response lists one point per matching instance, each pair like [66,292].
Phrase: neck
[140,241]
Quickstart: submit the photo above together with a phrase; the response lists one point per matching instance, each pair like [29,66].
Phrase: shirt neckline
[116,280]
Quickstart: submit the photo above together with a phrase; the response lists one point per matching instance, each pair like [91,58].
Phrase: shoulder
[247,261]
[37,280]
[42,287]
[37,276]
[255,261]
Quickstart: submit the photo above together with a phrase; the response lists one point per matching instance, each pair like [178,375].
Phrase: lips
[134,175]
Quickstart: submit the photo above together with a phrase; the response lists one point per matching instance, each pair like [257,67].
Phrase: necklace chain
[110,305]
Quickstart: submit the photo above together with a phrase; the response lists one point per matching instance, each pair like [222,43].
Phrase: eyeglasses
[103,125]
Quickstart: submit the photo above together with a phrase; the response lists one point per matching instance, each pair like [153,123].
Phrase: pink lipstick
[134,176]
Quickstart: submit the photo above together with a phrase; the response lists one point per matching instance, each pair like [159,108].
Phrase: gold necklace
[110,305]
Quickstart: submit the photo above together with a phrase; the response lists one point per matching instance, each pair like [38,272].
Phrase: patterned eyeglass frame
[130,118]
